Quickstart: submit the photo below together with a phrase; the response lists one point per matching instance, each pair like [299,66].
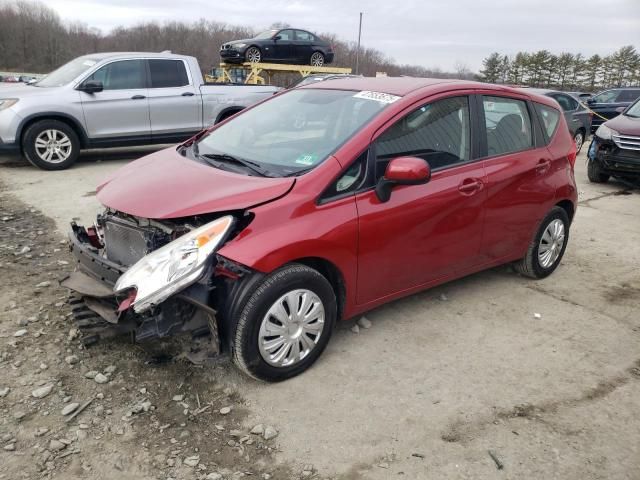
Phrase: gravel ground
[545,375]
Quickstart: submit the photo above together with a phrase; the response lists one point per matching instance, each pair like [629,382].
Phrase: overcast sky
[431,33]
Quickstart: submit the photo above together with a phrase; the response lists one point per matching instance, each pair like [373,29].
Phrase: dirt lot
[439,379]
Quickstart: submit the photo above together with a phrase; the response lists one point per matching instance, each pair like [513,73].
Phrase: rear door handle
[543,165]
[470,186]
[138,97]
[188,94]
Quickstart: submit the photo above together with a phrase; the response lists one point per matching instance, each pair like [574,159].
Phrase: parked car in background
[610,103]
[26,78]
[267,235]
[615,148]
[115,99]
[577,116]
[10,79]
[581,96]
[320,77]
[289,45]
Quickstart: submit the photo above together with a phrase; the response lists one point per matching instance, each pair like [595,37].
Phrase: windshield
[634,110]
[66,73]
[295,131]
[265,35]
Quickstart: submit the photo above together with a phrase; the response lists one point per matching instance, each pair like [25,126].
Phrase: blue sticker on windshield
[306,159]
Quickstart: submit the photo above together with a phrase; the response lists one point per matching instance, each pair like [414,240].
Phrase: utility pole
[358,50]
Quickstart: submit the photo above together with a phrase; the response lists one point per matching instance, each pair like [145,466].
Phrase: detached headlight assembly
[173,267]
[7,102]
[605,132]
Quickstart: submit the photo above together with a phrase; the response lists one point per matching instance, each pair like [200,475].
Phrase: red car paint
[466,218]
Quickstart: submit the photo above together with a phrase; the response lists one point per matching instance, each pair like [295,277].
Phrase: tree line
[566,71]
[34,39]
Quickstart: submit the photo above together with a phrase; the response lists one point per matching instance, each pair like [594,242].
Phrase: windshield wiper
[223,157]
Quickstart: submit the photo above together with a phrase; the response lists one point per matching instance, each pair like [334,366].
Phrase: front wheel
[51,145]
[253,55]
[547,247]
[317,59]
[579,139]
[286,324]
[595,173]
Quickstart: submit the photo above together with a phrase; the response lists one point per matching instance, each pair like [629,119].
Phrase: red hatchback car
[319,204]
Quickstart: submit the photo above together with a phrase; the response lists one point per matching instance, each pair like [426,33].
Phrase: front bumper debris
[614,160]
[96,310]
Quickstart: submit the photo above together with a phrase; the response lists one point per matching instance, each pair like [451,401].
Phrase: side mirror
[590,100]
[91,86]
[402,171]
[621,109]
[276,38]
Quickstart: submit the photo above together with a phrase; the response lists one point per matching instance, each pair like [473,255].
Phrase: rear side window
[303,36]
[508,125]
[438,132]
[168,73]
[628,95]
[550,118]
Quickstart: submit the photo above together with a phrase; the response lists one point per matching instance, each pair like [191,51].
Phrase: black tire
[248,54]
[246,353]
[581,143]
[317,59]
[530,265]
[40,127]
[595,173]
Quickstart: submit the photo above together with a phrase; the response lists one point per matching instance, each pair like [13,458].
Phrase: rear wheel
[51,145]
[253,55]
[579,139]
[286,324]
[317,59]
[547,247]
[595,173]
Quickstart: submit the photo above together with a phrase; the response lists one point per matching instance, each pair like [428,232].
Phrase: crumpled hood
[625,125]
[167,185]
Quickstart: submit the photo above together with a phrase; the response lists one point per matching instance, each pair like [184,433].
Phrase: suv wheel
[286,324]
[51,145]
[547,247]
[594,172]
[317,59]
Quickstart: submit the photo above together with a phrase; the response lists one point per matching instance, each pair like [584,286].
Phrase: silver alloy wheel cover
[579,140]
[53,146]
[551,243]
[288,335]
[253,55]
[317,59]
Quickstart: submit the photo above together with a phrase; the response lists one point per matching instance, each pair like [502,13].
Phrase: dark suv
[610,103]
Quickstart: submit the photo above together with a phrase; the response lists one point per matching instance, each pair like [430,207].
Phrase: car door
[302,46]
[518,169]
[121,109]
[175,104]
[282,49]
[577,117]
[423,233]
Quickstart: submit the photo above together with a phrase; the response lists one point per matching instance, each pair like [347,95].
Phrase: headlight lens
[605,132]
[7,102]
[239,45]
[174,266]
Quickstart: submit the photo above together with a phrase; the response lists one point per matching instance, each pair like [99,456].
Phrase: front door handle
[187,94]
[138,97]
[543,165]
[470,186]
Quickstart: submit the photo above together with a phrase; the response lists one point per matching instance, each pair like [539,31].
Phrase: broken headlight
[173,267]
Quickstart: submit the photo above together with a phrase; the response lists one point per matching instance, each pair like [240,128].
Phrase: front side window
[168,73]
[121,75]
[438,132]
[286,35]
[293,132]
[606,97]
[550,118]
[508,125]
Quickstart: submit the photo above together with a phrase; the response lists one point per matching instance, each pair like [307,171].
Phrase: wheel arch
[62,117]
[227,112]
[568,207]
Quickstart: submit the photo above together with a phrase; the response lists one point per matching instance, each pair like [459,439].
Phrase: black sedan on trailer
[289,45]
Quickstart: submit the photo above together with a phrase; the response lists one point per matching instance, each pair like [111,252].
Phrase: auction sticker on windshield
[377,96]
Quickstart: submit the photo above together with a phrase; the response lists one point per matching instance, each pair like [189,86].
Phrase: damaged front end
[149,279]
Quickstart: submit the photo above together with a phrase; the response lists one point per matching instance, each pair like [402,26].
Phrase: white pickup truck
[112,100]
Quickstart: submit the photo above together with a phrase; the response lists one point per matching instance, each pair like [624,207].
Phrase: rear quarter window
[549,118]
